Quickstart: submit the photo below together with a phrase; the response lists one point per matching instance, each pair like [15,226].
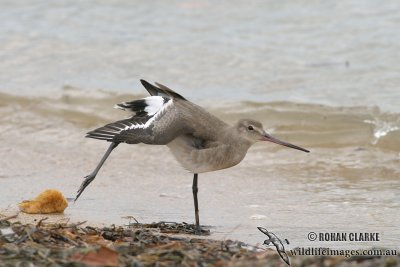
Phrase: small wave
[320,125]
[382,128]
[307,124]
[83,108]
[386,134]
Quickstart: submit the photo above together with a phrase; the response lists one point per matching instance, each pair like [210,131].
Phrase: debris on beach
[174,228]
[139,245]
[49,201]
[77,244]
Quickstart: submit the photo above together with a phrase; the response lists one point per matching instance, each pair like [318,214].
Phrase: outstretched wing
[159,119]
[138,128]
[154,119]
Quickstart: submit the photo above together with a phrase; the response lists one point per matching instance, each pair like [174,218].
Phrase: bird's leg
[90,177]
[195,189]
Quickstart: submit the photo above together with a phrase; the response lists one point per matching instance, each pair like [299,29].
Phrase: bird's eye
[250,128]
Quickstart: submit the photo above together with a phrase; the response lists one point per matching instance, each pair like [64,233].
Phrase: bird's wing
[150,112]
[161,90]
[159,119]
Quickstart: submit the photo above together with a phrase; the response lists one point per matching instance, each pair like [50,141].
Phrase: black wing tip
[170,91]
[153,90]
[144,82]
[160,89]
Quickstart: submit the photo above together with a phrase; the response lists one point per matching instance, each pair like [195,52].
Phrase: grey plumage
[198,140]
[192,133]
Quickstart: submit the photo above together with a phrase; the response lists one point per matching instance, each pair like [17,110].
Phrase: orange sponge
[49,201]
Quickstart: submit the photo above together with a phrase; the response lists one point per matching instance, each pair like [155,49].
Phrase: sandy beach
[320,75]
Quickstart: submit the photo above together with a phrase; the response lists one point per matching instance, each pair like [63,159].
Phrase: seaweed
[154,244]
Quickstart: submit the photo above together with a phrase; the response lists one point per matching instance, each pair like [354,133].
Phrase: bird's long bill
[272,139]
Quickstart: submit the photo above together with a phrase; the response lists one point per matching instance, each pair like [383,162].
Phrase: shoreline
[48,240]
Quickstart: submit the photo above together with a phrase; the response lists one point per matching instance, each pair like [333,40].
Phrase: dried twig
[40,222]
[130,217]
[9,217]
[75,224]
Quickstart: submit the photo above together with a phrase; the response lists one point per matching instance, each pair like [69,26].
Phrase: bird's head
[253,132]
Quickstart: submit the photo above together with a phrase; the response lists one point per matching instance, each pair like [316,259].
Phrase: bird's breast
[198,160]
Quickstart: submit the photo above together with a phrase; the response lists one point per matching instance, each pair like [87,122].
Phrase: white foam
[382,128]
[258,217]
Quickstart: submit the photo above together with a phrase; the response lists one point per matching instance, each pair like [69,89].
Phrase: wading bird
[199,141]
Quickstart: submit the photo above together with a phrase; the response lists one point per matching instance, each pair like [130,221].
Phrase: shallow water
[323,76]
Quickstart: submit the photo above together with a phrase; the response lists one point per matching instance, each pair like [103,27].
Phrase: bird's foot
[85,183]
[197,229]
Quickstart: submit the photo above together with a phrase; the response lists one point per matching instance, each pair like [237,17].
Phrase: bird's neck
[232,137]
